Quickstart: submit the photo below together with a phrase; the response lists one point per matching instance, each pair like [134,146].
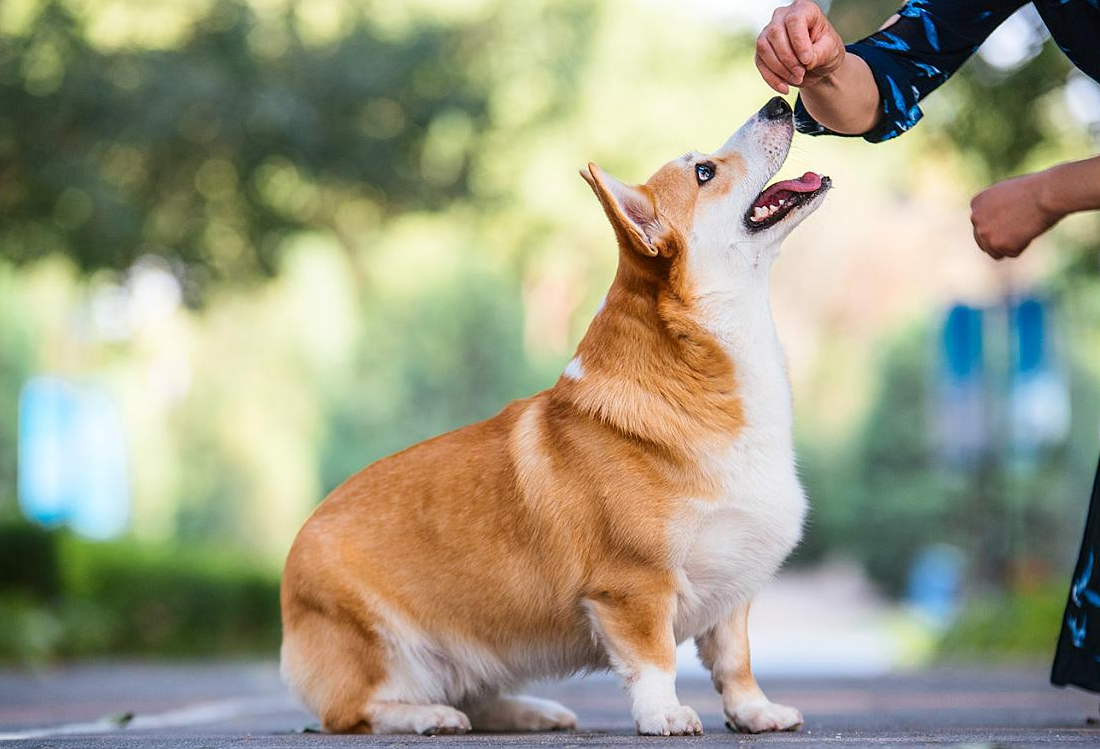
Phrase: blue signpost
[72,458]
[963,397]
[1039,408]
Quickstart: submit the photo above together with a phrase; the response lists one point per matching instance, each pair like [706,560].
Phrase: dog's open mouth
[776,201]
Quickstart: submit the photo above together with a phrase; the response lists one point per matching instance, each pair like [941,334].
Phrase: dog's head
[707,220]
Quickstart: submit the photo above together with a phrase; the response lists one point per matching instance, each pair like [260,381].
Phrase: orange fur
[524,531]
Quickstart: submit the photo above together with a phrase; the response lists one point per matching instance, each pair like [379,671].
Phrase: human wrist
[846,99]
[828,79]
[1070,187]
[1053,195]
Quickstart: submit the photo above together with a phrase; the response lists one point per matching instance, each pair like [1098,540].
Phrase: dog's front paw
[759,717]
[678,720]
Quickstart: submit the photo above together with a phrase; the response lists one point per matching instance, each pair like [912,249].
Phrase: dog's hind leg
[332,663]
[520,713]
[336,664]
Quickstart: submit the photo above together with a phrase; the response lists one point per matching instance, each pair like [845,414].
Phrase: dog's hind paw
[440,719]
[522,714]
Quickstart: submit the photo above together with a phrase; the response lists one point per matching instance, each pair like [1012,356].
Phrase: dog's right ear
[630,209]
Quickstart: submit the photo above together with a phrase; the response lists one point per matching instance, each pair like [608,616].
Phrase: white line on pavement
[191,715]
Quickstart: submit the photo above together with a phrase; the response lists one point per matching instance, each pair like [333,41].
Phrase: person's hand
[1008,215]
[798,47]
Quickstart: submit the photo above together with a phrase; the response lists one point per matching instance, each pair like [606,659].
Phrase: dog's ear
[631,210]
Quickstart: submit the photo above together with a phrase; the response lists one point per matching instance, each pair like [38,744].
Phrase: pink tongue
[808,182]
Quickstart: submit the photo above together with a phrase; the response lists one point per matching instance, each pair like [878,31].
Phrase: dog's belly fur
[732,547]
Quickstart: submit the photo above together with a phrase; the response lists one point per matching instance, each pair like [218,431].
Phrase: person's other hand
[1010,214]
[798,47]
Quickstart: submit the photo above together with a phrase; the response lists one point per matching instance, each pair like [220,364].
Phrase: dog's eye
[704,172]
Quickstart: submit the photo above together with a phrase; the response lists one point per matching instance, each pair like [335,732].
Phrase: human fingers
[780,43]
[797,24]
[770,77]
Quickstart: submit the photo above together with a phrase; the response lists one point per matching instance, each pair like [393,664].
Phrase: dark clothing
[1077,659]
[932,38]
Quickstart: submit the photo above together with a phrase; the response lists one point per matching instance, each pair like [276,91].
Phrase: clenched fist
[1008,215]
[798,47]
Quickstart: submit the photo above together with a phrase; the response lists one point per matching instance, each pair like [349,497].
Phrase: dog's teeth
[781,201]
[759,213]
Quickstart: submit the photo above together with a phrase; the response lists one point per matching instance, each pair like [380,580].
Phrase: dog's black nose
[776,109]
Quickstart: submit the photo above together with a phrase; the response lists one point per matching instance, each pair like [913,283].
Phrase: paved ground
[243,705]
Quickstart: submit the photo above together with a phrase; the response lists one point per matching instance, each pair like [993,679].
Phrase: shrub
[123,598]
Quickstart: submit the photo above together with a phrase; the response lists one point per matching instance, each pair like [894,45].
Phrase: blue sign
[72,458]
[1021,390]
[963,414]
[1039,407]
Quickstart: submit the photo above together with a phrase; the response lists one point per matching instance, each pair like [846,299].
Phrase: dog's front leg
[635,627]
[724,649]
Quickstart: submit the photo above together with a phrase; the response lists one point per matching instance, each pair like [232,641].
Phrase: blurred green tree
[211,152]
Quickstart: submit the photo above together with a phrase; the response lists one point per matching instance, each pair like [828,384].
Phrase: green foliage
[1022,626]
[125,598]
[885,495]
[166,600]
[29,563]
[211,152]
[996,120]
[855,19]
[452,356]
[16,358]
[881,499]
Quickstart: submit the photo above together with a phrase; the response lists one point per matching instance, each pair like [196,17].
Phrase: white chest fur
[727,548]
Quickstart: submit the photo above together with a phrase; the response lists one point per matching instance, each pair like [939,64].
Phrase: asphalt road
[202,706]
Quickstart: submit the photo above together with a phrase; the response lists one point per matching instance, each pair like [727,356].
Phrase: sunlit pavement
[225,704]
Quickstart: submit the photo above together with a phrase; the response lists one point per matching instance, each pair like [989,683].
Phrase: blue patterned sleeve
[912,56]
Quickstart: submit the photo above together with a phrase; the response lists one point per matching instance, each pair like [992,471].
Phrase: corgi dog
[643,499]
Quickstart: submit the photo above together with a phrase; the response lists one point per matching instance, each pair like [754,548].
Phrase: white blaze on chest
[725,548]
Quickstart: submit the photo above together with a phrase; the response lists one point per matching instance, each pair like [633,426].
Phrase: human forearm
[1070,187]
[1008,215]
[846,101]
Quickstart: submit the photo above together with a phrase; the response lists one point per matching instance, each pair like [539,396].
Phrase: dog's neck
[735,307]
[671,370]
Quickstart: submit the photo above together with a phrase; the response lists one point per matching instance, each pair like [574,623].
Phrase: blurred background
[247,247]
